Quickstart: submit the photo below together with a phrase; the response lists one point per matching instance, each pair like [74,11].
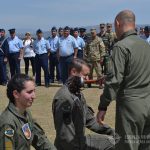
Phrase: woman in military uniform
[18,131]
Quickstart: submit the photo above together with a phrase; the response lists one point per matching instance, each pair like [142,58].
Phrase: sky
[34,14]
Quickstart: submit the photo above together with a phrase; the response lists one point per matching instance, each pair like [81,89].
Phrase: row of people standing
[40,52]
[59,51]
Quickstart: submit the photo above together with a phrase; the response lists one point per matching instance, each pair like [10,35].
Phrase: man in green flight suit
[18,131]
[72,115]
[129,83]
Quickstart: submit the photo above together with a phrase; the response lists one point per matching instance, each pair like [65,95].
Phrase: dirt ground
[42,106]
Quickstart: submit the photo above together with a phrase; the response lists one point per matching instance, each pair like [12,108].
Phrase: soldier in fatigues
[129,83]
[95,52]
[18,131]
[72,115]
[112,38]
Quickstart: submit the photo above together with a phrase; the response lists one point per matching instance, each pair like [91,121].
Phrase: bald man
[129,83]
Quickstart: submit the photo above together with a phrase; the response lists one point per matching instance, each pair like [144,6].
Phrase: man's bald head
[124,21]
[126,16]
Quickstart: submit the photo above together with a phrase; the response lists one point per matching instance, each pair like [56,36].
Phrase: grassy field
[42,106]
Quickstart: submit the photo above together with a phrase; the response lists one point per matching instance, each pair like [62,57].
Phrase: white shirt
[28,50]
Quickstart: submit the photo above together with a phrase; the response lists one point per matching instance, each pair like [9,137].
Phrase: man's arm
[21,49]
[75,46]
[40,141]
[92,124]
[102,50]
[113,80]
[65,130]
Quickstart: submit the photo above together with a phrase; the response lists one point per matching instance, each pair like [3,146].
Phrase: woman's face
[25,98]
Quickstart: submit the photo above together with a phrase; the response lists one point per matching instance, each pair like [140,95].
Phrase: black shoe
[51,81]
[4,84]
[47,85]
[89,85]
[38,84]
[60,82]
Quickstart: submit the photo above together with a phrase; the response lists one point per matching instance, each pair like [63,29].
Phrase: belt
[66,56]
[14,53]
[41,54]
[53,53]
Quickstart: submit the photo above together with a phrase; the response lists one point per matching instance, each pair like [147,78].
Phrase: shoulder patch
[9,132]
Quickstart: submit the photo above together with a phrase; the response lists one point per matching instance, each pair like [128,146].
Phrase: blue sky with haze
[33,14]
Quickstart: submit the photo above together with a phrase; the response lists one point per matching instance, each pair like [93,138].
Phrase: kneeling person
[18,131]
[72,115]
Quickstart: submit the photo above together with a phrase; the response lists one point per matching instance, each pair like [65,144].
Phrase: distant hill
[21,32]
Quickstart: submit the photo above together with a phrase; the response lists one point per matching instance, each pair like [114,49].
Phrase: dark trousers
[27,60]
[14,63]
[64,65]
[3,78]
[53,63]
[80,54]
[41,61]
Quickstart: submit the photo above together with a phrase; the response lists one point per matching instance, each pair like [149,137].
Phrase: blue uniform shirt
[67,45]
[53,44]
[15,44]
[41,46]
[81,43]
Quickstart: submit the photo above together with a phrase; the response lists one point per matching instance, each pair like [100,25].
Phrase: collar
[14,38]
[41,39]
[14,110]
[128,33]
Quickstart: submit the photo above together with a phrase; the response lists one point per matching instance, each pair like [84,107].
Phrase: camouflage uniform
[95,51]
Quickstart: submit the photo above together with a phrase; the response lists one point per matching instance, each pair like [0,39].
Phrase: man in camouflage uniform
[112,38]
[95,52]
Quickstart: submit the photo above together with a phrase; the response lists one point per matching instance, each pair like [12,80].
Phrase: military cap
[102,25]
[82,29]
[11,31]
[147,28]
[66,28]
[60,29]
[76,29]
[2,30]
[39,31]
[109,25]
[93,30]
[54,29]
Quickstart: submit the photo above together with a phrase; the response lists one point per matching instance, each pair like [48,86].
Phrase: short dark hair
[77,64]
[17,82]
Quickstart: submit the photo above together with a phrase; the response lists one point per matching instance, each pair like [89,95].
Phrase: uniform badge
[9,132]
[26,130]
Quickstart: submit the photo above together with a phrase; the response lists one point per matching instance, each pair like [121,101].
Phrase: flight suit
[129,83]
[18,132]
[95,51]
[71,116]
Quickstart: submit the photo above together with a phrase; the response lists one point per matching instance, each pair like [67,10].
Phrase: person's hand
[75,57]
[5,60]
[102,61]
[58,57]
[20,57]
[101,116]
